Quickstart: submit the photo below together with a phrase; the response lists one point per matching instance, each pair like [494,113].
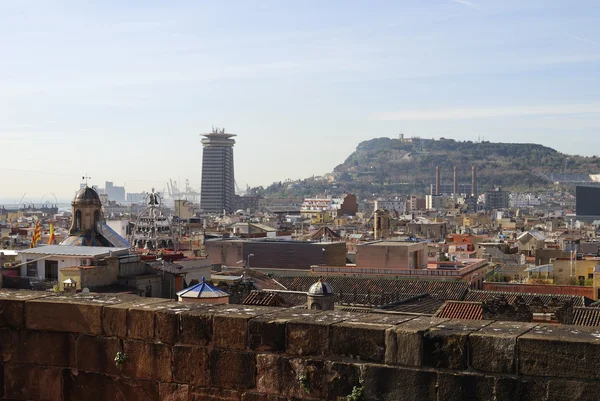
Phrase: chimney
[474,182]
[455,188]
[437,180]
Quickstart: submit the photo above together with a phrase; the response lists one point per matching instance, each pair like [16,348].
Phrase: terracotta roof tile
[461,310]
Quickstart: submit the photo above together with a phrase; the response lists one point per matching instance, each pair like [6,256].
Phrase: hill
[385,166]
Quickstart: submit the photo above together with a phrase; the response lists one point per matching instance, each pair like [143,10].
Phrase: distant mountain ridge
[386,166]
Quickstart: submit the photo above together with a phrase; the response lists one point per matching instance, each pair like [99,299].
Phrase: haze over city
[120,91]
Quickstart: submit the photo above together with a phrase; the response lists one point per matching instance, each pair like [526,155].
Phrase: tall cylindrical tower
[218,180]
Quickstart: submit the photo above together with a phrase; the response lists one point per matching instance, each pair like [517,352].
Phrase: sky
[121,90]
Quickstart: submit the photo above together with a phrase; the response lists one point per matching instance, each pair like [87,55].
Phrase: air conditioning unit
[86,262]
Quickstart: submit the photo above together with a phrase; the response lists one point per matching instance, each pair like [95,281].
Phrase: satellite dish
[85,291]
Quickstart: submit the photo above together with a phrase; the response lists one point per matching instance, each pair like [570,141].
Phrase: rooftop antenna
[86,178]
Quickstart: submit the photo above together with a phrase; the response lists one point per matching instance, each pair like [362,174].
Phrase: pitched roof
[66,250]
[278,298]
[528,298]
[461,310]
[324,232]
[422,304]
[586,317]
[379,291]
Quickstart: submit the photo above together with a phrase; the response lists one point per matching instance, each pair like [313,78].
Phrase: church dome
[87,195]
[320,288]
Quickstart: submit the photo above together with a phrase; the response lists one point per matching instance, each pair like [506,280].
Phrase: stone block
[569,390]
[464,387]
[213,394]
[230,325]
[232,369]
[262,397]
[196,326]
[173,392]
[12,306]
[80,313]
[385,383]
[118,322]
[404,342]
[268,332]
[309,335]
[147,360]
[446,344]
[340,378]
[365,341]
[559,351]
[493,348]
[82,386]
[45,348]
[379,318]
[141,319]
[9,344]
[190,365]
[517,389]
[97,354]
[25,382]
[166,329]
[304,379]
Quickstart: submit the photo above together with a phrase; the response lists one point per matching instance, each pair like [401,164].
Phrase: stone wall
[63,348]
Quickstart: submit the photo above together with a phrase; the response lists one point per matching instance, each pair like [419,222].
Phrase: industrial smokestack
[437,180]
[455,188]
[474,182]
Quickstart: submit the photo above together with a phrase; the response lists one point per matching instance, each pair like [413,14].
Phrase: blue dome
[202,290]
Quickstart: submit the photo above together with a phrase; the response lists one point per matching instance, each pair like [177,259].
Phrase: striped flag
[52,237]
[36,234]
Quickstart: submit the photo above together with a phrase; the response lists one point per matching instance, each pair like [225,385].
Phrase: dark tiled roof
[355,310]
[528,298]
[461,310]
[382,291]
[262,298]
[280,298]
[586,317]
[260,280]
[422,304]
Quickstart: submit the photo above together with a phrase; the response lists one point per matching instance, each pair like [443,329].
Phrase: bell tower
[87,211]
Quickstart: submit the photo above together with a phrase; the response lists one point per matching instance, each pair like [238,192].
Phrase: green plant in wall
[356,394]
[121,358]
[304,383]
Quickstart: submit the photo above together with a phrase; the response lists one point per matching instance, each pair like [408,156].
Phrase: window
[78,220]
[51,269]
[31,268]
[590,276]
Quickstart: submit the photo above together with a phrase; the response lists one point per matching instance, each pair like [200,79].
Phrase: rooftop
[391,243]
[81,251]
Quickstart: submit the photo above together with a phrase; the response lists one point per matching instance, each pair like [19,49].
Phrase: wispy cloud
[488,112]
[467,3]
[583,40]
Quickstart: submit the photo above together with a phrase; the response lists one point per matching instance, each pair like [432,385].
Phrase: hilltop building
[218,180]
[315,208]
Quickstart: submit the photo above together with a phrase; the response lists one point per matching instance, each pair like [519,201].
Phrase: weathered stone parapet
[64,347]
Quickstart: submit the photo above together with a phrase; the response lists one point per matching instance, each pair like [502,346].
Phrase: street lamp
[248,260]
